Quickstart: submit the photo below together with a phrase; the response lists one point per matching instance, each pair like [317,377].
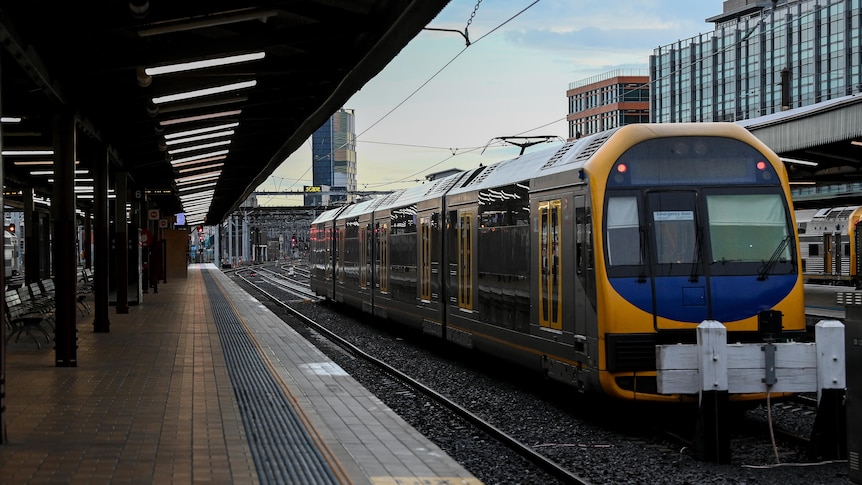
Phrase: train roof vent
[386,198]
[443,185]
[592,146]
[480,175]
[559,154]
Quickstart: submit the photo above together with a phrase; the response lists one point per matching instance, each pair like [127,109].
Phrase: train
[829,243]
[12,254]
[577,261]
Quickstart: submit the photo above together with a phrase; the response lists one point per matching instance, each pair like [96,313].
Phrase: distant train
[577,261]
[11,253]
[829,244]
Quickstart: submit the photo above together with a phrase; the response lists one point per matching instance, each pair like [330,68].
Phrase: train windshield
[748,228]
[732,231]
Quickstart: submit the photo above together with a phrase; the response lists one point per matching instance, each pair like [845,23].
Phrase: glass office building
[762,57]
[333,152]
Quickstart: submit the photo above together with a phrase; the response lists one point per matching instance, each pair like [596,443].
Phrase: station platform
[202,383]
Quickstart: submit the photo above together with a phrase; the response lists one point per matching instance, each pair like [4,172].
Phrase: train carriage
[578,261]
[829,243]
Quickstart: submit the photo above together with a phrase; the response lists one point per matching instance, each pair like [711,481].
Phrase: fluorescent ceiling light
[197,162]
[181,134]
[206,194]
[203,167]
[205,136]
[23,153]
[210,116]
[194,187]
[204,92]
[200,22]
[199,157]
[207,197]
[199,147]
[799,162]
[856,142]
[10,119]
[209,103]
[51,172]
[190,66]
[203,176]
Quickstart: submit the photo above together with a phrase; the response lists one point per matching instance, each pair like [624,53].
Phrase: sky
[439,104]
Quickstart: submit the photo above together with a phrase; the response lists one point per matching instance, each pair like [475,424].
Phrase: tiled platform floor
[151,402]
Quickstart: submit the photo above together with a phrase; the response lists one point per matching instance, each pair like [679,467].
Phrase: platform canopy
[291,65]
[820,143]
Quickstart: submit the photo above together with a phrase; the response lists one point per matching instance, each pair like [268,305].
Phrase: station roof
[89,58]
[821,144]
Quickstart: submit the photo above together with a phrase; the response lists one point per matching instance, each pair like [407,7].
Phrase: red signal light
[622,168]
[761,165]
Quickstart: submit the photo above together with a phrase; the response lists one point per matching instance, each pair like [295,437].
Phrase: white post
[829,335]
[712,355]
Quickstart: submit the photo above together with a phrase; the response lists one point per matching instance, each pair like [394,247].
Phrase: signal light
[621,168]
[761,165]
[11,228]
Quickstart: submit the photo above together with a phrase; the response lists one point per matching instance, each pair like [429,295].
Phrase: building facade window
[734,72]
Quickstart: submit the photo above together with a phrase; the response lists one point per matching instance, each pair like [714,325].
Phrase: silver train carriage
[829,244]
[579,260]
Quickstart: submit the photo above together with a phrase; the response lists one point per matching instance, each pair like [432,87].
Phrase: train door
[340,233]
[550,265]
[856,250]
[676,280]
[382,231]
[363,256]
[583,239]
[425,258]
[466,228]
[828,251]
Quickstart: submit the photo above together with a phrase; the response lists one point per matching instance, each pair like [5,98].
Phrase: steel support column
[3,438]
[101,243]
[121,231]
[64,242]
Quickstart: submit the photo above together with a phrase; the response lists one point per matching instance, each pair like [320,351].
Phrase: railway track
[298,290]
[569,431]
[411,385]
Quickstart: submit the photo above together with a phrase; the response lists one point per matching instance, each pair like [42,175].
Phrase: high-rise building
[762,57]
[333,151]
[608,100]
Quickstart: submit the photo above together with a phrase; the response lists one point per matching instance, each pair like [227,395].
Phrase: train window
[674,227]
[623,236]
[814,250]
[747,227]
[505,206]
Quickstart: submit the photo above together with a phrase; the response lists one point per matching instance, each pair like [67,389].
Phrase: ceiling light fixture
[182,134]
[190,66]
[199,157]
[196,162]
[799,162]
[214,20]
[204,167]
[209,116]
[197,93]
[206,136]
[199,147]
[27,153]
